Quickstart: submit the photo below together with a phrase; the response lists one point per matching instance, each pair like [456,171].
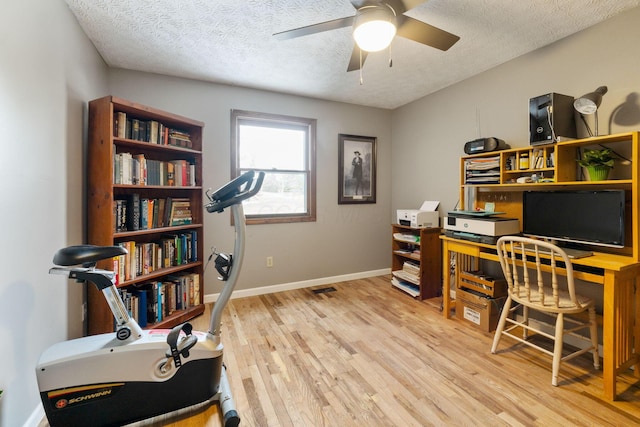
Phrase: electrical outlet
[269,261]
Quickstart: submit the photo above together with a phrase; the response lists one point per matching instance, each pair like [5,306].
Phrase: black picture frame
[356,169]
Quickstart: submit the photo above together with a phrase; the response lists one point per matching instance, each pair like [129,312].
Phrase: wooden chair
[523,262]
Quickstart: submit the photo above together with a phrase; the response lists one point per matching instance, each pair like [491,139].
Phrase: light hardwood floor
[369,355]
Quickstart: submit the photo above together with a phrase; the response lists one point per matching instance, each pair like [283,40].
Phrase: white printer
[486,226]
[425,217]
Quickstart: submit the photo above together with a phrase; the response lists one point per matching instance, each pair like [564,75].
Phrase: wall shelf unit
[560,172]
[144,183]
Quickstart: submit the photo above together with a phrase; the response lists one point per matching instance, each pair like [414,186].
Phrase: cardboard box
[478,310]
[478,281]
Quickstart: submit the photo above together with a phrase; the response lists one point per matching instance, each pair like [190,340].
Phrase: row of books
[539,161]
[150,131]
[151,302]
[136,169]
[145,258]
[133,213]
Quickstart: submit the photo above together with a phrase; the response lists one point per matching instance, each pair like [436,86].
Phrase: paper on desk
[429,206]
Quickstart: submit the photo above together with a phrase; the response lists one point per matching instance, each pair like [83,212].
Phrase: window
[284,148]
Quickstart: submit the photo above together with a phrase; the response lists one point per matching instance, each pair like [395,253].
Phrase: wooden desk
[618,275]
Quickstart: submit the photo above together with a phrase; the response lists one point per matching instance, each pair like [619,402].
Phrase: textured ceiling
[231,42]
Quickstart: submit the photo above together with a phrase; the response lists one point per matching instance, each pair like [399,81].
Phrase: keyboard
[571,253]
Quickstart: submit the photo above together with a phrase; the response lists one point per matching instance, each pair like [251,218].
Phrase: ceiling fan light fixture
[374,28]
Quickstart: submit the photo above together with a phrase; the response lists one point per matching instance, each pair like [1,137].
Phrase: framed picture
[356,169]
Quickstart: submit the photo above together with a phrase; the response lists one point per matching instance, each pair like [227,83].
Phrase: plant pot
[598,173]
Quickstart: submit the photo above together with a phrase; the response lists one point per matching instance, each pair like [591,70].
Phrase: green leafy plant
[602,157]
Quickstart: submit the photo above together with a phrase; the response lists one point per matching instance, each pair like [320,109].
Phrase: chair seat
[565,305]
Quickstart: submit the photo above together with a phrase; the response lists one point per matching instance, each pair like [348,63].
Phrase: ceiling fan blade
[357,4]
[421,32]
[410,4]
[315,28]
[354,62]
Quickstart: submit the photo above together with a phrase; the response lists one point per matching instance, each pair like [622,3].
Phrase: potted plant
[598,163]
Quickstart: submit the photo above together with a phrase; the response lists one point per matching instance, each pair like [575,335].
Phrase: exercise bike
[134,374]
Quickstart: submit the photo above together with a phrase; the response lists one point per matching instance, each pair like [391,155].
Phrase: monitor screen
[584,217]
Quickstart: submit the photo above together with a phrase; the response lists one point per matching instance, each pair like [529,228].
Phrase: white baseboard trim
[36,417]
[263,290]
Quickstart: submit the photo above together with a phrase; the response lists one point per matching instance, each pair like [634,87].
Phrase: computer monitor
[581,217]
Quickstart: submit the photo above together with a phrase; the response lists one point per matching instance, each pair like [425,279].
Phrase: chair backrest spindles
[513,252]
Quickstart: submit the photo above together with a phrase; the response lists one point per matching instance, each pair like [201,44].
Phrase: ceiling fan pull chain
[390,59]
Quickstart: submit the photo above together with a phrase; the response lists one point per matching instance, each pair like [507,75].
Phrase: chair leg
[501,323]
[525,320]
[557,349]
[593,330]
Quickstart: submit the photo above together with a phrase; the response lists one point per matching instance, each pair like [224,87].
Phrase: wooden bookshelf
[163,142]
[416,262]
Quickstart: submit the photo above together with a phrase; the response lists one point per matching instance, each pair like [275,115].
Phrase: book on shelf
[135,129]
[141,296]
[179,138]
[133,212]
[144,213]
[161,207]
[120,215]
[153,132]
[121,125]
[180,212]
[156,213]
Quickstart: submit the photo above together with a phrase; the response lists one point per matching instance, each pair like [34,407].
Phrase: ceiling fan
[390,18]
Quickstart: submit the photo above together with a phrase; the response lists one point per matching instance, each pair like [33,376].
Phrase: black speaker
[551,118]
[484,145]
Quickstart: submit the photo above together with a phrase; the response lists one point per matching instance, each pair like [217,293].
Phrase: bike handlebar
[233,192]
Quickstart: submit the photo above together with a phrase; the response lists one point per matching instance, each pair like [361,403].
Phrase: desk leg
[608,337]
[636,333]
[446,280]
[619,329]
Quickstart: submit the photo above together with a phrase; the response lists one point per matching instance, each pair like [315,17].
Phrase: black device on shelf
[551,118]
[485,145]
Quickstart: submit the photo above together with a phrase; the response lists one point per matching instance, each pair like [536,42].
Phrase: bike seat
[86,254]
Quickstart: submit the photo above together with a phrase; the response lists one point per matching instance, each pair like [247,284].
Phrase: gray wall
[48,69]
[345,239]
[429,134]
